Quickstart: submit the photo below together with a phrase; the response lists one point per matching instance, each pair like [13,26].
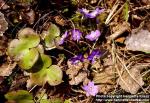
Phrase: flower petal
[95,54]
[92,14]
[76,34]
[84,11]
[64,36]
[91,84]
[77,58]
[93,35]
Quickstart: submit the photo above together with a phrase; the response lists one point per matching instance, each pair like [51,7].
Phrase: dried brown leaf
[78,79]
[132,86]
[119,29]
[6,68]
[3,24]
[107,76]
[77,72]
[29,16]
[73,69]
[105,88]
[3,45]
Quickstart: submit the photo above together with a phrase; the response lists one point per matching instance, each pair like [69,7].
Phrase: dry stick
[114,61]
[99,2]
[78,91]
[72,23]
[112,12]
[116,87]
[143,7]
[143,74]
[4,4]
[121,73]
[129,72]
[132,58]
[74,44]
[94,45]
[69,51]
[33,88]
[86,44]
[117,12]
[147,88]
[87,100]
[40,19]
[41,96]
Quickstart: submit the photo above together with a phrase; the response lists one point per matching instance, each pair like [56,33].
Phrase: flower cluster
[95,54]
[77,34]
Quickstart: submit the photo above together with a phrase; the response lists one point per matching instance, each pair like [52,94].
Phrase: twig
[114,8]
[114,61]
[40,19]
[33,88]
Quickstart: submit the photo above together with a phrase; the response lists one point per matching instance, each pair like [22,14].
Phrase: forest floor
[72,51]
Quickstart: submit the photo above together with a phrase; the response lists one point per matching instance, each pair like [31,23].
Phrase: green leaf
[27,39]
[126,11]
[28,60]
[41,96]
[50,35]
[41,78]
[44,101]
[52,75]
[20,96]
[68,101]
[43,62]
[56,100]
[46,61]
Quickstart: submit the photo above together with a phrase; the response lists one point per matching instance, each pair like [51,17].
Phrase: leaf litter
[76,30]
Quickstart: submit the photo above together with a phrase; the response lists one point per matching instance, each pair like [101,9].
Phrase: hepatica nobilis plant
[78,35]
[27,51]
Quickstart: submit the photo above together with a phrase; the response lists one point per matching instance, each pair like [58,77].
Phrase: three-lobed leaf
[52,75]
[27,39]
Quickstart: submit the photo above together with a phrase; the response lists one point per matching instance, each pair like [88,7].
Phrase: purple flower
[90,89]
[84,11]
[92,14]
[64,36]
[76,34]
[93,35]
[94,55]
[77,58]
